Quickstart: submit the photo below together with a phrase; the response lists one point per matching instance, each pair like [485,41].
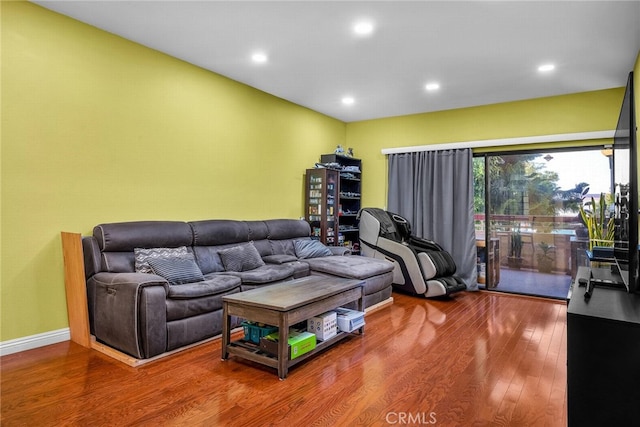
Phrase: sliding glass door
[529,233]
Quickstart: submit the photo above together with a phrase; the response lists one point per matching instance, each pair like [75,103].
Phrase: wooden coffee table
[283,305]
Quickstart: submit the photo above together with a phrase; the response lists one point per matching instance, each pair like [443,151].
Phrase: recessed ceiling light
[363,28]
[348,100]
[545,68]
[432,86]
[259,57]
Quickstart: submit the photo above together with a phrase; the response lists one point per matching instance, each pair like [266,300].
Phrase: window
[528,228]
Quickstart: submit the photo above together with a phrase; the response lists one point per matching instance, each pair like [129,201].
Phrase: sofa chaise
[157,286]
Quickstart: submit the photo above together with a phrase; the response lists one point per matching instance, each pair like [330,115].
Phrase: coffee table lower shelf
[250,351]
[283,305]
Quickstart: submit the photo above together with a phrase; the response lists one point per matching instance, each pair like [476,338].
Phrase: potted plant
[514,259]
[571,201]
[545,260]
[601,228]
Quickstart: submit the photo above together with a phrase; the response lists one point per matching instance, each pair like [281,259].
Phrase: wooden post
[75,287]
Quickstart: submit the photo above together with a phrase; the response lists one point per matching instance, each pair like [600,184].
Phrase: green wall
[581,112]
[96,128]
[99,129]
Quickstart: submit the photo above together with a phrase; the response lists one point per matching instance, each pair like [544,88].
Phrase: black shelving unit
[350,196]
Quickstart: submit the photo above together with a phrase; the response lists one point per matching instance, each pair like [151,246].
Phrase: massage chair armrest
[419,243]
[128,312]
[429,269]
[436,264]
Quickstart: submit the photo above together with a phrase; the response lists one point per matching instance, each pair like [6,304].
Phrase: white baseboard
[34,341]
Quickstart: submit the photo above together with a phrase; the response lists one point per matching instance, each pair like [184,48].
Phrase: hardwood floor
[477,359]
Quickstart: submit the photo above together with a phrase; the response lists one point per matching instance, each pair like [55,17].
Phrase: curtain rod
[580,136]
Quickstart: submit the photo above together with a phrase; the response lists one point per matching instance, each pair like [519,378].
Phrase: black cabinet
[350,196]
[603,357]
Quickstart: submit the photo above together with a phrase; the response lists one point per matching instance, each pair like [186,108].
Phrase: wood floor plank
[477,359]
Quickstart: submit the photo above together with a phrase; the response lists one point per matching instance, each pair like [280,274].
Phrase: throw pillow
[177,271]
[241,258]
[143,255]
[311,249]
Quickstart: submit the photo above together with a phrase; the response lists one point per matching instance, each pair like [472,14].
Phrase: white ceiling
[480,52]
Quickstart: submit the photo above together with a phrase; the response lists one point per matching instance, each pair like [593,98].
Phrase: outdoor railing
[528,222]
[536,232]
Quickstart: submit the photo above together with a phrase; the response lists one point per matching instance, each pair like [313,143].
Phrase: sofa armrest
[339,250]
[129,312]
[131,279]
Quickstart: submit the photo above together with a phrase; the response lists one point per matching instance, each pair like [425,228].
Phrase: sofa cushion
[118,262]
[311,249]
[208,258]
[125,236]
[280,229]
[263,247]
[211,285]
[177,271]
[356,267]
[300,269]
[266,274]
[285,246]
[279,259]
[143,255]
[241,258]
[215,232]
[257,230]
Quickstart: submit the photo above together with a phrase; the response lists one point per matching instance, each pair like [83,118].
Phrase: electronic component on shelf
[589,289]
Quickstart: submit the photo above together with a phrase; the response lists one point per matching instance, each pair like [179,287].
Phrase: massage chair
[421,266]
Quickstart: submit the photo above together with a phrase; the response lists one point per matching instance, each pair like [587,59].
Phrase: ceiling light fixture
[546,68]
[348,100]
[259,57]
[363,28]
[432,86]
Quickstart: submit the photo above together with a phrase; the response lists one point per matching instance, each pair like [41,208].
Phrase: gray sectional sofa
[157,286]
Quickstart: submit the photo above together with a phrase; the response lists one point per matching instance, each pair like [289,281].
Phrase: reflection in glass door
[534,239]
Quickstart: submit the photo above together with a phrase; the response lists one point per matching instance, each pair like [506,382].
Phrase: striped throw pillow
[177,271]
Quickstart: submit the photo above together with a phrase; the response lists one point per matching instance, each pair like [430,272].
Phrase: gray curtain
[434,191]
